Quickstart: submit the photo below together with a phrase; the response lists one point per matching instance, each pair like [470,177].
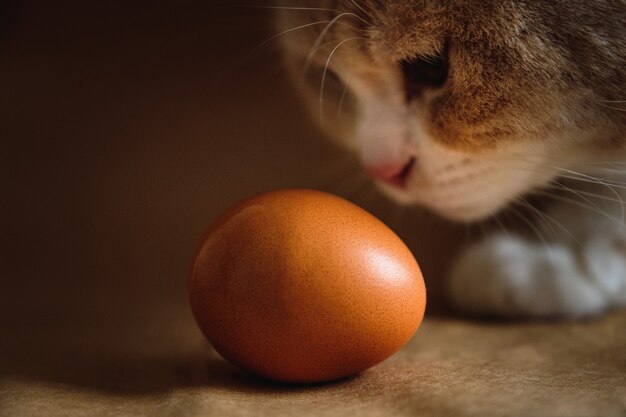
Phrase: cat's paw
[604,258]
[509,276]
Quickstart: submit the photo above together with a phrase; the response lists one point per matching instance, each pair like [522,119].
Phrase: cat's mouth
[395,175]
[466,192]
[466,202]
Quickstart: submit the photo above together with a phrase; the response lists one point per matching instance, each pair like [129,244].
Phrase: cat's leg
[579,270]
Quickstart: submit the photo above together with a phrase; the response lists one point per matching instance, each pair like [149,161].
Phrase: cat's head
[462,106]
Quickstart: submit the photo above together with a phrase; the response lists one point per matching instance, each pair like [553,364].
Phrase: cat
[468,107]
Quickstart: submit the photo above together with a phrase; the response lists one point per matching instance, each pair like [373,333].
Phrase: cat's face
[461,106]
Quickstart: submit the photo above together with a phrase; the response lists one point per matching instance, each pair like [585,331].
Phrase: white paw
[605,261]
[509,276]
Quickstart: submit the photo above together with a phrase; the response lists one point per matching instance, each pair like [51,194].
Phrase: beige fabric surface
[125,130]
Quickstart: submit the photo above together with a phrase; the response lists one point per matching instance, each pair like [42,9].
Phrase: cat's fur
[534,93]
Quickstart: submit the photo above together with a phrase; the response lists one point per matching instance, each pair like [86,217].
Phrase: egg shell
[303,286]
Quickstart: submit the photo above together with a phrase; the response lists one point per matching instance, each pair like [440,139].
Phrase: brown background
[124,130]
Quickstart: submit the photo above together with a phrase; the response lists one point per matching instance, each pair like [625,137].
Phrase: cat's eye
[422,73]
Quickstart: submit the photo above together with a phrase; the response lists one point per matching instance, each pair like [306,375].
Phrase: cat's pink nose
[395,174]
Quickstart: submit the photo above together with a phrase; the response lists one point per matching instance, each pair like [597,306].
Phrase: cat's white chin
[468,214]
[459,208]
[469,189]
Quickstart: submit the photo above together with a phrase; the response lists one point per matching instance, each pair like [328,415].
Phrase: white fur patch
[512,276]
[508,276]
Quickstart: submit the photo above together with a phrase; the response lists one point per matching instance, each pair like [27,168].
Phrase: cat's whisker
[285,32]
[325,73]
[586,203]
[576,203]
[501,225]
[606,163]
[573,191]
[545,216]
[605,184]
[319,40]
[541,157]
[621,202]
[535,230]
[587,179]
[346,88]
[343,97]
[580,194]
[595,195]
[483,230]
[608,171]
[307,66]
[524,203]
[579,176]
[533,158]
[361,8]
[612,107]
[303,72]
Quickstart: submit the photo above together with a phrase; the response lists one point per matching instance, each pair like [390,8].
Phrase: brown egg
[303,286]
